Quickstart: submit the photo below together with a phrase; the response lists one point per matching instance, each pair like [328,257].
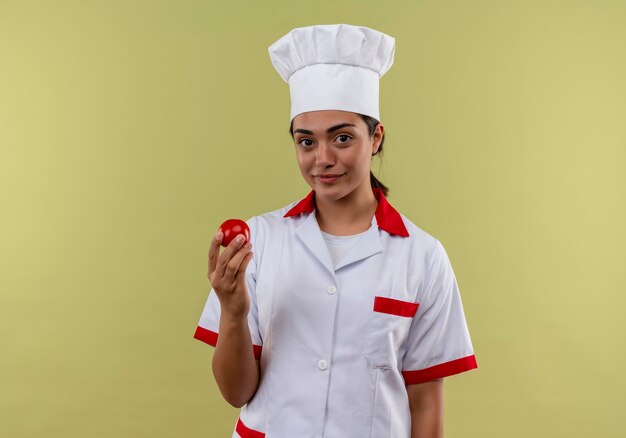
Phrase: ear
[377,138]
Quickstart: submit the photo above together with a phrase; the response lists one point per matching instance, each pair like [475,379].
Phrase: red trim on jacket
[395,307]
[210,337]
[442,370]
[245,432]
[306,205]
[387,217]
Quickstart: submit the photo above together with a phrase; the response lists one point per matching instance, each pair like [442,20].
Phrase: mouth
[329,178]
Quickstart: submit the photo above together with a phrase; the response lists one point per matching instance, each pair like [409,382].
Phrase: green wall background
[130,129]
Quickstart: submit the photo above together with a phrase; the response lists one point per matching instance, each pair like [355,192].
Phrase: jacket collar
[387,217]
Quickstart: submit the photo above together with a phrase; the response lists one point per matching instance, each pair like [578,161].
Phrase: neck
[348,215]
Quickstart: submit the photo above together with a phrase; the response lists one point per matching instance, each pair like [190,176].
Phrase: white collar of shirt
[386,218]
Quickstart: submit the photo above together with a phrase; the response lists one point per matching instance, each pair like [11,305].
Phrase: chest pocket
[388,327]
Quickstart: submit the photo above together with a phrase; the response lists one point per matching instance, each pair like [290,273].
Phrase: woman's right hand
[227,274]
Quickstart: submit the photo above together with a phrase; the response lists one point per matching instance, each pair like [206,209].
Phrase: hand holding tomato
[227,270]
[231,228]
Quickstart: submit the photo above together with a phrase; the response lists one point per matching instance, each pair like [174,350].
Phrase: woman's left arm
[426,404]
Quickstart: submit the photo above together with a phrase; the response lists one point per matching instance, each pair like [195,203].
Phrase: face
[335,144]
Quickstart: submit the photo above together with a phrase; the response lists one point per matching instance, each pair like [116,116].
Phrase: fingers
[233,267]
[214,252]
[229,261]
[244,264]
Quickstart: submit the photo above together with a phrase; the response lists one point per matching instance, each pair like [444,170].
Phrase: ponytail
[371,123]
[378,185]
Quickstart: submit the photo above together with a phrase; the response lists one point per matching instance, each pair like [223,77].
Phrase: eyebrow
[328,131]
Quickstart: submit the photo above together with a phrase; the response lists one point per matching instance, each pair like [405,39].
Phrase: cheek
[362,164]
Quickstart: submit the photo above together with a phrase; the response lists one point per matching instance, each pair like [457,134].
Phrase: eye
[304,139]
[344,135]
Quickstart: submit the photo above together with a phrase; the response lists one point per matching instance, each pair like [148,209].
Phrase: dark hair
[371,123]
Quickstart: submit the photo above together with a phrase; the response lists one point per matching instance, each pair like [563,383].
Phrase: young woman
[346,317]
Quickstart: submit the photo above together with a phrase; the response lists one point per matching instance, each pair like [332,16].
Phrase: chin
[332,193]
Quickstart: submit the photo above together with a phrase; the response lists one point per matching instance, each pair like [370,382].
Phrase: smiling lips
[329,178]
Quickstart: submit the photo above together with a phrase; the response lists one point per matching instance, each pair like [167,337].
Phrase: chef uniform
[341,324]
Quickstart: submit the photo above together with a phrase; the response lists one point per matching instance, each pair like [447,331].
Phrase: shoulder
[267,229]
[428,253]
[272,223]
[419,239]
[425,249]
[271,219]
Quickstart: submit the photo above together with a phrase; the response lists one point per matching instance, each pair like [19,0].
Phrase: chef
[340,317]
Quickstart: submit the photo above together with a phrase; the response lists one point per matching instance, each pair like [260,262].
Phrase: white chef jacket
[338,344]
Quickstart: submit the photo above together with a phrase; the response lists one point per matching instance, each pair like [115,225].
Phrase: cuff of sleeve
[210,337]
[441,370]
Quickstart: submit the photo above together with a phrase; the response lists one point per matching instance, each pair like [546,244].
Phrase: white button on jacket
[395,318]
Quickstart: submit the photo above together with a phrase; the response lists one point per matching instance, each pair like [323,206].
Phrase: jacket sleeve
[438,343]
[207,329]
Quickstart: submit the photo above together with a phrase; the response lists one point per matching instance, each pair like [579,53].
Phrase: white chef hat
[333,67]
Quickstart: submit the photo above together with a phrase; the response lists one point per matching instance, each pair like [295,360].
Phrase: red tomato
[231,228]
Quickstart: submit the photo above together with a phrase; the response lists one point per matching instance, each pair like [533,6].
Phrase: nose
[325,155]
